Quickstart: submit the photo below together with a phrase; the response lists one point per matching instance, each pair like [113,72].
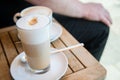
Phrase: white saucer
[58,67]
[55,31]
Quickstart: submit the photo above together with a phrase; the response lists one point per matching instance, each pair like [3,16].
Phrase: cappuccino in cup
[34,33]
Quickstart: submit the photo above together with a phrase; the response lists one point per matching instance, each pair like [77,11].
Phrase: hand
[96,12]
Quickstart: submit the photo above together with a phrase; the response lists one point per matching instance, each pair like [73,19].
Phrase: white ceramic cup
[34,33]
[42,10]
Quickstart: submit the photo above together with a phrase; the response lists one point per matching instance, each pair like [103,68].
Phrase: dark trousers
[93,34]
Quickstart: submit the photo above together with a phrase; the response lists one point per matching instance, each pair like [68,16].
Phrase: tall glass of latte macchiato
[34,33]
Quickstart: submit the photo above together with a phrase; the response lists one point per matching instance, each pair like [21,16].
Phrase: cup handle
[15,17]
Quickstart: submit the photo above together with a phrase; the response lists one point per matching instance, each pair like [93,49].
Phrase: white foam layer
[24,22]
[36,33]
[37,9]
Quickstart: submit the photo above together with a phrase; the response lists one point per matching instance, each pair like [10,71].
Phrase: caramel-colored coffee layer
[37,55]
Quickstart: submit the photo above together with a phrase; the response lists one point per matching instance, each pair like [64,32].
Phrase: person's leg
[93,34]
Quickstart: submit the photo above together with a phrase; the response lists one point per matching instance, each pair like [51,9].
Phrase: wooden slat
[96,72]
[8,46]
[4,68]
[7,29]
[83,55]
[14,35]
[73,62]
[19,47]
[16,40]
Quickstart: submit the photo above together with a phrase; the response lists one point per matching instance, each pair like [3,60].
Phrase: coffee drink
[42,10]
[37,9]
[34,33]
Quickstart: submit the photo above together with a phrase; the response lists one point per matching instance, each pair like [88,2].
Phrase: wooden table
[82,65]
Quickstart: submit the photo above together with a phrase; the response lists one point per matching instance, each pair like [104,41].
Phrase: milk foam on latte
[40,21]
[34,30]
